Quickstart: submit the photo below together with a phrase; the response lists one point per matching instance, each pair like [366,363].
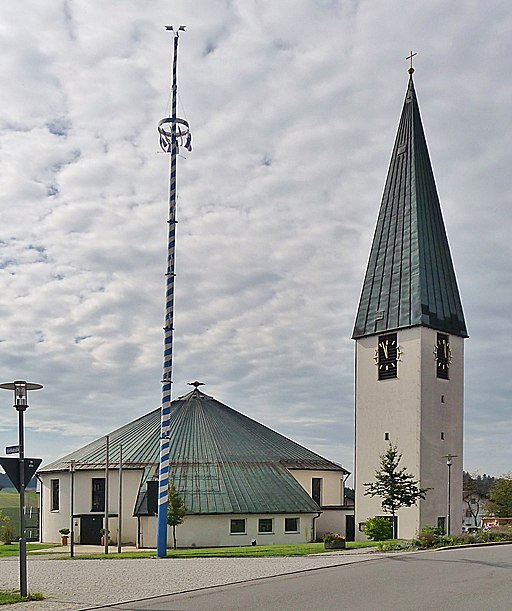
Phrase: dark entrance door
[350,527]
[90,527]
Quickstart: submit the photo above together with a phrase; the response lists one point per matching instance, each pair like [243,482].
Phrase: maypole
[173,133]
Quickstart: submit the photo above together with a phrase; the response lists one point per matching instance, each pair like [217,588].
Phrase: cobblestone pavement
[84,584]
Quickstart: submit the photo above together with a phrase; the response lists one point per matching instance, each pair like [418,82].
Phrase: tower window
[386,436]
[442,435]
[316,489]
[386,356]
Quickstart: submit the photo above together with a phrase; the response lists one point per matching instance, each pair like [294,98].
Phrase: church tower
[409,334]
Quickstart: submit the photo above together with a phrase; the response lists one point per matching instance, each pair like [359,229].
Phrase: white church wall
[408,411]
[215,531]
[52,520]
[332,521]
[442,434]
[332,489]
[386,411]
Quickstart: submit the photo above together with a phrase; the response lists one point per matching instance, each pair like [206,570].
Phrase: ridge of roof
[140,439]
[410,280]
[221,461]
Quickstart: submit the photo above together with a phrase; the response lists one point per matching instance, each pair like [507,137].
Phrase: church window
[386,436]
[386,356]
[316,489]
[291,525]
[265,525]
[442,435]
[98,494]
[237,526]
[55,495]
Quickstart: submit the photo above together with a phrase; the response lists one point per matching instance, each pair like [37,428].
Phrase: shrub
[494,534]
[430,536]
[395,545]
[378,529]
[7,533]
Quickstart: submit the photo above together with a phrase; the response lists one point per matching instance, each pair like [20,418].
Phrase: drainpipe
[314,525]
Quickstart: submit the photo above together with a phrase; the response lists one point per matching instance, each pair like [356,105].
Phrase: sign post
[20,389]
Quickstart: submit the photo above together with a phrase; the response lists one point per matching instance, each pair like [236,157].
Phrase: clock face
[443,356]
[387,355]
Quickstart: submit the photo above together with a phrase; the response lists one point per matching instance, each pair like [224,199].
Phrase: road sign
[11,467]
[12,450]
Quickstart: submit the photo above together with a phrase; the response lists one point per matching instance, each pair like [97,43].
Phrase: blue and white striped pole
[173,132]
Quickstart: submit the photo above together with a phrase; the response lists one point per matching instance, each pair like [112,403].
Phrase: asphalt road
[465,579]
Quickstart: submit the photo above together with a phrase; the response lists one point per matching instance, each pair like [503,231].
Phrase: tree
[6,534]
[395,486]
[500,497]
[475,490]
[176,511]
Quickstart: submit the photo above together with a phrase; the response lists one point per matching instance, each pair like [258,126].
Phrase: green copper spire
[410,279]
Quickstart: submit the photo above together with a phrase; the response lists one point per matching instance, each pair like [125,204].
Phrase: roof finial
[196,384]
[411,69]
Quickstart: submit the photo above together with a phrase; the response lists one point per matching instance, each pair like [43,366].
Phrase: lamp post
[449,458]
[20,388]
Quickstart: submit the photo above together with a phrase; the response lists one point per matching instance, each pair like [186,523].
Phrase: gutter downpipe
[315,518]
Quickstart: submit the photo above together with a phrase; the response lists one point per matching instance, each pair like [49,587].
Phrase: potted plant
[64,535]
[334,541]
[102,533]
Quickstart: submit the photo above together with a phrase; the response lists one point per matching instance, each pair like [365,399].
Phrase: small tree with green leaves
[176,511]
[394,485]
[6,532]
[378,529]
[500,497]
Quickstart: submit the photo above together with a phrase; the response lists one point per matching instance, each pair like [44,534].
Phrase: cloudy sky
[293,107]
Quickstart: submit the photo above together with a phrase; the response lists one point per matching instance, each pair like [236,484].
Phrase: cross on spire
[411,69]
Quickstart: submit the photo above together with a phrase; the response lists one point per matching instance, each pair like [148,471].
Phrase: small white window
[291,525]
[238,527]
[265,526]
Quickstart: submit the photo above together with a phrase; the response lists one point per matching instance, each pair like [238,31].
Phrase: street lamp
[20,388]
[449,465]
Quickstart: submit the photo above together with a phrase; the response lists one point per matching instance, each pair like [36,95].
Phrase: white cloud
[293,108]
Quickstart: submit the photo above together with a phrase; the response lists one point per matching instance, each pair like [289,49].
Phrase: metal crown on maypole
[174,133]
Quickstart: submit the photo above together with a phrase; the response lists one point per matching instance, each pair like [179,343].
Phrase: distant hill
[5,482]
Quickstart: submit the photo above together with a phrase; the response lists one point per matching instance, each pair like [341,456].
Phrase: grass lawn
[14,597]
[234,552]
[14,548]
